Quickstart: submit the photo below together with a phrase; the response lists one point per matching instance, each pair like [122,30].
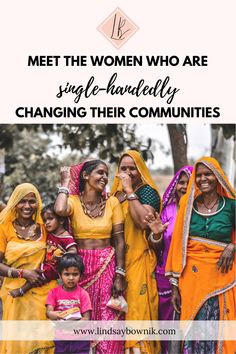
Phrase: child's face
[51,221]
[70,277]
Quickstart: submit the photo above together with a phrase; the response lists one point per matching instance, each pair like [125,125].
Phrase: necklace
[31,233]
[209,208]
[213,213]
[96,211]
[23,227]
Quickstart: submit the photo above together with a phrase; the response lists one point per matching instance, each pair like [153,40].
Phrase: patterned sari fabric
[99,263]
[140,262]
[193,259]
[23,254]
[169,213]
[97,280]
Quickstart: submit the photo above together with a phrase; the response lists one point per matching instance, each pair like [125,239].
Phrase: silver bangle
[64,190]
[120,271]
[174,281]
[10,273]
[132,196]
[152,239]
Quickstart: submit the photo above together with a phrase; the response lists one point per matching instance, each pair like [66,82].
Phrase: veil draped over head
[75,177]
[142,168]
[176,264]
[9,213]
[169,195]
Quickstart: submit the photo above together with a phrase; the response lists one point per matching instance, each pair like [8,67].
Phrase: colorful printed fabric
[97,280]
[56,246]
[148,195]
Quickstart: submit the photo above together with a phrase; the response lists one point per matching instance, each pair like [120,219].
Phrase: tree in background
[223,147]
[179,144]
[29,156]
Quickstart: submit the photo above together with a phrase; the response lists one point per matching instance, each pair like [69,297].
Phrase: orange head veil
[142,168]
[177,254]
[9,213]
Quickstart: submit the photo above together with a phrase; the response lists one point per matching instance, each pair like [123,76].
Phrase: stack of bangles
[174,281]
[154,240]
[19,273]
[120,271]
[64,190]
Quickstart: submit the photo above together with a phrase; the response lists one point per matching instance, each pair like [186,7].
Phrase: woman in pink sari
[95,220]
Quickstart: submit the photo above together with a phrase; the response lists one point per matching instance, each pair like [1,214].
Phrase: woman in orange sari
[138,194]
[22,250]
[201,255]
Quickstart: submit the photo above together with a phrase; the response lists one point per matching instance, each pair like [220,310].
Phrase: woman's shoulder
[74,198]
[231,203]
[112,200]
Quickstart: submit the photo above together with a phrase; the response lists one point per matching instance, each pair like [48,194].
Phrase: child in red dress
[59,241]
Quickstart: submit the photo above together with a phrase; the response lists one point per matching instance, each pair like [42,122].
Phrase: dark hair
[88,167]
[50,207]
[70,260]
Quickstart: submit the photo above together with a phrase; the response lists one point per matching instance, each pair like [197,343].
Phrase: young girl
[68,296]
[59,241]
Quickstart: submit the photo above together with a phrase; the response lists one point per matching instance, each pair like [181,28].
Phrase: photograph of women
[117,222]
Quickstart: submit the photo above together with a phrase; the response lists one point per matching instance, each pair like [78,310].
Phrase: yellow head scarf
[9,213]
[142,168]
[177,255]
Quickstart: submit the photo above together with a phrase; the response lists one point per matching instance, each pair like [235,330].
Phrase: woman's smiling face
[27,206]
[205,179]
[98,178]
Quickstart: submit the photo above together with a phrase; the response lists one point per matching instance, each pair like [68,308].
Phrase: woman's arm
[32,276]
[176,298]
[119,283]
[226,260]
[61,206]
[137,210]
[157,229]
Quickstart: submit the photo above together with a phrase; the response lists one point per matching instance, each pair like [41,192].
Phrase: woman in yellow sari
[201,255]
[22,249]
[138,194]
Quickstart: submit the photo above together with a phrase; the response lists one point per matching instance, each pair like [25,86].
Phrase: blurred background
[34,153]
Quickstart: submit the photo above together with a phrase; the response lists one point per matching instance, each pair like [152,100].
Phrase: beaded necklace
[32,232]
[92,213]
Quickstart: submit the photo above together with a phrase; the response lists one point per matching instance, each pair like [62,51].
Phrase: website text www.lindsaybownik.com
[127,331]
[117,330]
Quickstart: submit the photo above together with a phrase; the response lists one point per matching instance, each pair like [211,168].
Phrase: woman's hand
[118,286]
[126,182]
[34,277]
[176,298]
[154,223]
[226,260]
[65,176]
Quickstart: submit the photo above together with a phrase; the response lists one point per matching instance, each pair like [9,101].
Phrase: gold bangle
[152,239]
